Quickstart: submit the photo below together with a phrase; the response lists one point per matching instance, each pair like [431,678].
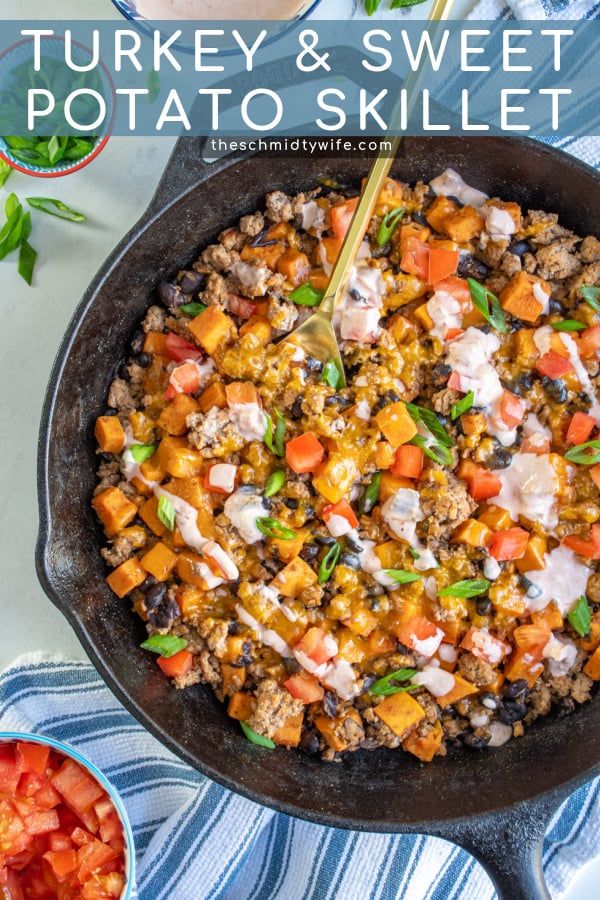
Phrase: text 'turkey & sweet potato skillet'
[496,804]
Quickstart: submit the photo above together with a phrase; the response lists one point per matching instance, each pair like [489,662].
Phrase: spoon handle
[375,181]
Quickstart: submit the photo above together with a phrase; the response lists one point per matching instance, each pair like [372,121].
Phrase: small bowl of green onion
[49,157]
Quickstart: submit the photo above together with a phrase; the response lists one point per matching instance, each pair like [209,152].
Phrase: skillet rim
[158,205]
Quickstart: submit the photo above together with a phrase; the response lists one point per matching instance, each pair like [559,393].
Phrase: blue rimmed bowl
[12,736]
[129,8]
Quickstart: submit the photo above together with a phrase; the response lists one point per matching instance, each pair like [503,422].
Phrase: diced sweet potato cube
[462,688]
[396,423]
[400,712]
[290,732]
[424,747]
[233,679]
[142,427]
[154,342]
[259,327]
[463,225]
[241,706]
[173,416]
[389,554]
[191,490]
[241,392]
[384,455]
[472,533]
[148,513]
[211,328]
[438,212]
[214,395]
[319,279]
[513,209]
[177,458]
[126,577]
[335,477]
[517,297]
[389,484]
[520,665]
[191,600]
[473,423]
[495,686]
[190,567]
[159,561]
[294,265]
[294,578]
[152,469]
[423,317]
[333,729]
[533,558]
[114,509]
[592,666]
[267,255]
[412,229]
[550,616]
[109,434]
[287,550]
[496,518]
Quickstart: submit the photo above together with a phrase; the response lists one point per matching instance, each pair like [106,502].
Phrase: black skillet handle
[509,845]
[185,168]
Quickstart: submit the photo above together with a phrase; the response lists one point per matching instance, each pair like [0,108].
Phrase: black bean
[148,582]
[267,503]
[511,711]
[106,457]
[470,267]
[233,627]
[555,306]
[556,389]
[490,701]
[356,295]
[368,680]
[386,399]
[441,373]
[309,511]
[296,410]
[272,565]
[109,411]
[191,282]
[309,552]
[339,400]
[351,560]
[122,371]
[522,384]
[500,458]
[248,489]
[137,341]
[309,742]
[330,704]
[143,360]
[454,199]
[483,606]
[324,539]
[516,690]
[565,707]
[155,596]
[520,248]
[353,543]
[165,613]
[485,328]
[419,218]
[171,295]
[374,589]
[291,502]
[474,741]
[313,364]
[381,251]
[291,665]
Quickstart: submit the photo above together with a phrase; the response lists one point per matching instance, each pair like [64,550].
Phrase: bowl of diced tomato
[64,832]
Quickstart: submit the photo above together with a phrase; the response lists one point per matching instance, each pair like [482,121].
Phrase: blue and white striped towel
[197,841]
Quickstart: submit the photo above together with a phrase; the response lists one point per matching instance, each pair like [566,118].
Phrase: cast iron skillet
[496,804]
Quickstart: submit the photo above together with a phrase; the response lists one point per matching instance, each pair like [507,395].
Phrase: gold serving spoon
[316,335]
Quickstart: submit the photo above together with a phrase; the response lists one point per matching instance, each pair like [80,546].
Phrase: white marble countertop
[113,191]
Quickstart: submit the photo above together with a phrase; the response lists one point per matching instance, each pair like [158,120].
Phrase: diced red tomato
[532,638]
[184,379]
[111,830]
[221,478]
[589,548]
[78,789]
[179,350]
[536,443]
[47,797]
[304,453]
[174,666]
[483,484]
[13,891]
[318,645]
[100,887]
[341,217]
[305,688]
[580,428]
[92,857]
[31,757]
[511,408]
[454,382]
[420,634]
[551,365]
[58,840]
[341,508]
[408,461]
[452,334]
[442,263]
[63,862]
[459,289]
[30,784]
[415,258]
[588,344]
[509,544]
[485,646]
[80,837]
[9,775]
[240,306]
[42,822]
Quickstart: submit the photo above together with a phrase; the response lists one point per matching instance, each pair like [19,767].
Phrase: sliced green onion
[256,738]
[429,419]
[371,6]
[274,436]
[331,374]
[164,644]
[142,452]
[388,225]
[5,172]
[56,208]
[306,295]
[166,512]
[591,295]
[402,4]
[271,528]
[470,587]
[587,454]
[488,305]
[437,452]
[392,683]
[27,258]
[402,576]
[462,406]
[371,494]
[580,617]
[329,562]
[192,309]
[275,482]
[414,553]
[569,325]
